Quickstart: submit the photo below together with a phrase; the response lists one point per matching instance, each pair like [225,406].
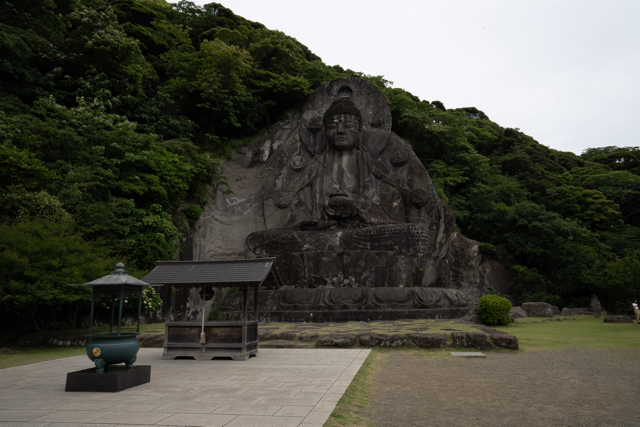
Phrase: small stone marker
[467,354]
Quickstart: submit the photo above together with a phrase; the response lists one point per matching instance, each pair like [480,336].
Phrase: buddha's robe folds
[343,189]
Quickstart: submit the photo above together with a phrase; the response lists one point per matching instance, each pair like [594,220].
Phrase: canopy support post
[93,303]
[168,301]
[120,313]
[113,310]
[139,310]
[255,303]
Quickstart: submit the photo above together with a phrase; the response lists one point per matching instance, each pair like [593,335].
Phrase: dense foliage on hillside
[113,115]
[567,224]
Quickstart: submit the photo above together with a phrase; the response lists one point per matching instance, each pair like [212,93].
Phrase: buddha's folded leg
[275,242]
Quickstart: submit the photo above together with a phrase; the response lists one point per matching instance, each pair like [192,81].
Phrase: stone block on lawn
[271,336]
[576,311]
[347,340]
[505,340]
[265,336]
[308,336]
[287,336]
[595,305]
[478,340]
[618,319]
[517,313]
[410,344]
[383,340]
[283,344]
[540,309]
[472,316]
[430,340]
[151,340]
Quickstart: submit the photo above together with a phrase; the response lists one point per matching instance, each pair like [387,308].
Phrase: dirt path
[556,388]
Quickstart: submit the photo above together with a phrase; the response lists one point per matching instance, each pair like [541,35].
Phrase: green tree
[37,261]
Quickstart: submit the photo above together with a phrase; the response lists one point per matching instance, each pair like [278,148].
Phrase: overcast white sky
[565,72]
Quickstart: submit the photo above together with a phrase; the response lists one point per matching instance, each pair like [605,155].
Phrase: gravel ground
[578,387]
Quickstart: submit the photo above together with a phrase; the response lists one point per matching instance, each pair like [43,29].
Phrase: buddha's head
[343,125]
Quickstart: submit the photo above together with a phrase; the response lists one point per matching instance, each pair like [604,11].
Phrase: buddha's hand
[343,208]
[314,225]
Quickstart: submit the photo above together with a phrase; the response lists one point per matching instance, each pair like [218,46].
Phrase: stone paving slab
[280,387]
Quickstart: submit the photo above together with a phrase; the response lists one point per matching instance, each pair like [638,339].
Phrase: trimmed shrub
[494,310]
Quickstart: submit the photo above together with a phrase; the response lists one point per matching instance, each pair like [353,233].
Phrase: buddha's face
[343,131]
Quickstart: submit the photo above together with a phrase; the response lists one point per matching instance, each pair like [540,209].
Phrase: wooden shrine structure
[235,339]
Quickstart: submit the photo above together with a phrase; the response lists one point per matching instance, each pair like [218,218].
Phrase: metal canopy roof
[242,272]
[119,277]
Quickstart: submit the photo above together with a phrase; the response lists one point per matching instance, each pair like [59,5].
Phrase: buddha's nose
[340,128]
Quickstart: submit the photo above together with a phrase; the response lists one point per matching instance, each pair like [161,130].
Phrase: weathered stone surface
[347,340]
[367,266]
[353,298]
[505,340]
[291,268]
[433,272]
[383,340]
[342,203]
[618,319]
[495,275]
[472,316]
[269,336]
[430,340]
[283,344]
[540,309]
[595,305]
[290,336]
[400,270]
[477,340]
[151,339]
[517,313]
[308,336]
[410,344]
[577,311]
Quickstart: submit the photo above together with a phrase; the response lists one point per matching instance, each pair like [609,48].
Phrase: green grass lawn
[152,327]
[543,335]
[534,334]
[18,356]
[26,356]
[583,332]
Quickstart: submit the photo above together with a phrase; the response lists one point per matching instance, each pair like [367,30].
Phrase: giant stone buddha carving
[350,213]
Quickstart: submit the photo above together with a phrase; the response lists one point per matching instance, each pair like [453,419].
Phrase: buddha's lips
[337,195]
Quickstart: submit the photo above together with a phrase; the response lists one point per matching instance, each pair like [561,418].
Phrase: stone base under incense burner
[113,380]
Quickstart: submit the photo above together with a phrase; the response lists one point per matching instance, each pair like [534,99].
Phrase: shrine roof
[227,273]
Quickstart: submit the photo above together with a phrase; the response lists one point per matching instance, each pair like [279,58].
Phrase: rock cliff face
[351,215]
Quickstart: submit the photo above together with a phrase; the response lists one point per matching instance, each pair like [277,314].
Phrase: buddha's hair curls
[342,106]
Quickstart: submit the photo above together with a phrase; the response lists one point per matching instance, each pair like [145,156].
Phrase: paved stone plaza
[280,387]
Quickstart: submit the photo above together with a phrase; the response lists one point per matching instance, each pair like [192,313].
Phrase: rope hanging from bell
[203,336]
